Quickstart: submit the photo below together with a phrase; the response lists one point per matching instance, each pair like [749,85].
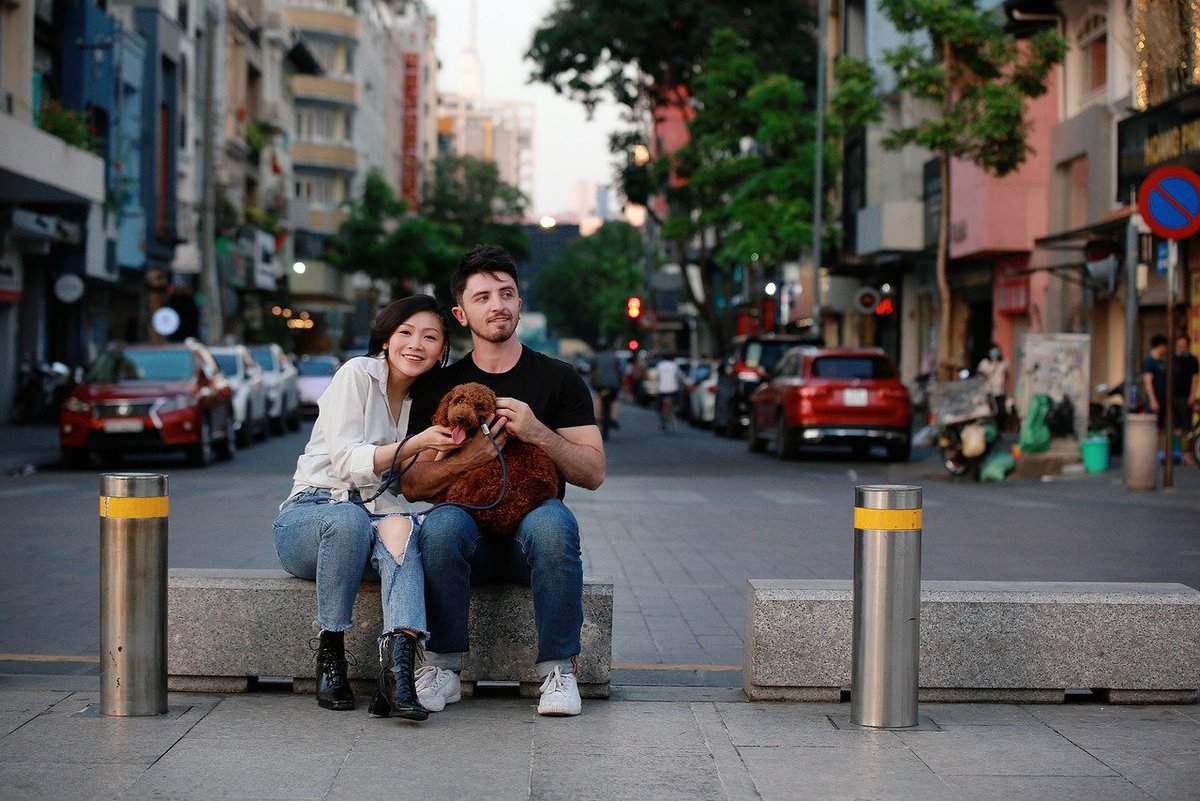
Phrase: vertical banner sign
[408,139]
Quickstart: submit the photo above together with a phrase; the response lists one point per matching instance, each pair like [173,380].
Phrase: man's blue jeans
[544,554]
[333,543]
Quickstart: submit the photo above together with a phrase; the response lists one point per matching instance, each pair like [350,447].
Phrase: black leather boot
[333,688]
[396,691]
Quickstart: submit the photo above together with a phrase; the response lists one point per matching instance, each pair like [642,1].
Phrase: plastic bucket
[1095,454]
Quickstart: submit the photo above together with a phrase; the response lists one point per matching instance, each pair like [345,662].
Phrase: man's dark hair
[482,259]
[1158,339]
[392,315]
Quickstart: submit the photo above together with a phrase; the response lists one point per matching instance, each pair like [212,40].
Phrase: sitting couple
[332,524]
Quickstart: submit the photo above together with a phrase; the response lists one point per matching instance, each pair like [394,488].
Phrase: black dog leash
[391,475]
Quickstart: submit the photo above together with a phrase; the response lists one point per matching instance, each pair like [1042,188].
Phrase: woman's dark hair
[392,315]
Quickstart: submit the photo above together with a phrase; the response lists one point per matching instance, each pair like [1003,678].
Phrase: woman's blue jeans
[544,554]
[336,544]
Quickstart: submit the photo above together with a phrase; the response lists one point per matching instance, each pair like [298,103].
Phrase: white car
[316,372]
[249,392]
[283,393]
[703,395]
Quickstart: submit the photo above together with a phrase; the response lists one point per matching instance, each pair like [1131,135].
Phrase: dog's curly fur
[532,475]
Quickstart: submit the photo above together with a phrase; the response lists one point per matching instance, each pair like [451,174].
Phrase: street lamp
[547,222]
[770,289]
[299,267]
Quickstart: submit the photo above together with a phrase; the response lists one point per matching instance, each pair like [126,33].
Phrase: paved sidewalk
[35,445]
[646,744]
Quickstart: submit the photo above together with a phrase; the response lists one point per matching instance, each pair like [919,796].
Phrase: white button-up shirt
[354,419]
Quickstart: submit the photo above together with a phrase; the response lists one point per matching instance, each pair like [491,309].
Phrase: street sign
[1169,200]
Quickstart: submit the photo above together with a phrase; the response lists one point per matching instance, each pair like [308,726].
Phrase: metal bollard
[133,594]
[1140,451]
[887,606]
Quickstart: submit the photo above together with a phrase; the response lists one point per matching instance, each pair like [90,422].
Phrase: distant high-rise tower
[472,70]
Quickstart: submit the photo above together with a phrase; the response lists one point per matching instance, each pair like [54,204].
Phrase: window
[852,367]
[1092,46]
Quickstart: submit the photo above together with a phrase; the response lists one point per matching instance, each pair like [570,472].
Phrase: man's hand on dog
[522,422]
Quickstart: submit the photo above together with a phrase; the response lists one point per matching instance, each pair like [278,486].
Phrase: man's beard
[488,334]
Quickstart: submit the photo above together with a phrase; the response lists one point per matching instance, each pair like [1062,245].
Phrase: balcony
[317,219]
[36,167]
[341,23]
[330,156]
[894,226]
[331,89]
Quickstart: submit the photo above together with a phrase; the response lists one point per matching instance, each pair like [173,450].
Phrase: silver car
[249,392]
[283,396]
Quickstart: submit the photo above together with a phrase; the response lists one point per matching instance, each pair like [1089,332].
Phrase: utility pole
[818,172]
[213,319]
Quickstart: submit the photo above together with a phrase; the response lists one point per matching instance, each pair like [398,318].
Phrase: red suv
[150,398]
[820,396]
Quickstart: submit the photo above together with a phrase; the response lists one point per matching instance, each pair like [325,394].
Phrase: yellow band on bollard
[887,519]
[133,507]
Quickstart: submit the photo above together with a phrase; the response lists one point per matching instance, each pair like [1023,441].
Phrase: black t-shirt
[1157,368]
[553,389]
[1186,366]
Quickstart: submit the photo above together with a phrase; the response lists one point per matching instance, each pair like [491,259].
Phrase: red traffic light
[633,345]
[633,308]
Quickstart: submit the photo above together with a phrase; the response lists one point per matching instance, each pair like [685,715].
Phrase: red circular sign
[1169,202]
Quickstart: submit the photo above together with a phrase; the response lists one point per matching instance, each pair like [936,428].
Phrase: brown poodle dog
[532,475]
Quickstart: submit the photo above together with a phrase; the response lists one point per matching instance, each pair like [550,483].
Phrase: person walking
[607,376]
[544,402]
[1185,393]
[340,516]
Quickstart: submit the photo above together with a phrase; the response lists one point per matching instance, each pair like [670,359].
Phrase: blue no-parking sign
[1169,202]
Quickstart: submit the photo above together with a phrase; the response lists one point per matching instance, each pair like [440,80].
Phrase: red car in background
[150,398]
[832,396]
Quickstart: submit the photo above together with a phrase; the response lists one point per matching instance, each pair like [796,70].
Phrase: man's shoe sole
[337,706]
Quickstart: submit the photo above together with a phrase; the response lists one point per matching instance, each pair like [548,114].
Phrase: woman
[335,520]
[994,368]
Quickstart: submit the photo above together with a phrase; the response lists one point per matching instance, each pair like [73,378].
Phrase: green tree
[469,195]
[583,291]
[960,60]
[380,239]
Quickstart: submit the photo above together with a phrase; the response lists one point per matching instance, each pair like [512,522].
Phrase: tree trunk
[945,369]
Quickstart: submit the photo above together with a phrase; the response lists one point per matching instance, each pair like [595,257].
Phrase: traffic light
[633,308]
[633,345]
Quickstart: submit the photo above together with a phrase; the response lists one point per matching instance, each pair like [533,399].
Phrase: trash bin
[1095,453]
[1141,451]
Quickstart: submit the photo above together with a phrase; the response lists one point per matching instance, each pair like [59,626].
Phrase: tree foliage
[583,292]
[960,60]
[378,238]
[469,194]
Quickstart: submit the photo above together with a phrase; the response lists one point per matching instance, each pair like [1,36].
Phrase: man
[667,378]
[606,378]
[541,401]
[1185,393]
[1154,377]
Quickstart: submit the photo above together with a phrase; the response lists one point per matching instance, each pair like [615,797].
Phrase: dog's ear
[440,417]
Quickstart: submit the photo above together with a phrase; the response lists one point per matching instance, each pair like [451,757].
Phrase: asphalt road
[681,522]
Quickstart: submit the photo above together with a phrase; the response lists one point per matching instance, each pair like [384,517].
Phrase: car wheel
[76,458]
[293,420]
[227,448]
[201,454]
[785,440]
[243,436]
[756,443]
[276,424]
[900,451]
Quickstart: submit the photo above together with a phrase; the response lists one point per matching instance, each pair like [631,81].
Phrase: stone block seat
[1020,641]
[227,628]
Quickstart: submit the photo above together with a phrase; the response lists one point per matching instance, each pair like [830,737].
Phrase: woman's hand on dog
[437,438]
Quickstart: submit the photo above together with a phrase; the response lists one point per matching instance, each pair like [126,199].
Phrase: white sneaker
[437,687]
[560,695]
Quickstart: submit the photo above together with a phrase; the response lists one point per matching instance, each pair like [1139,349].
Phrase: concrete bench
[228,628]
[987,641]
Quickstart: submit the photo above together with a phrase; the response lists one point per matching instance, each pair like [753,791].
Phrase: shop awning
[1078,238]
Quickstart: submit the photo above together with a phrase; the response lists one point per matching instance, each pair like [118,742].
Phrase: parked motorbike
[41,390]
[965,415]
[1106,415]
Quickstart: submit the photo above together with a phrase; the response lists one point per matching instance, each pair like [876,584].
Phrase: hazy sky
[568,147]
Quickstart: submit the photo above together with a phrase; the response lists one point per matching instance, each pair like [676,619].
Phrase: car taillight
[810,392]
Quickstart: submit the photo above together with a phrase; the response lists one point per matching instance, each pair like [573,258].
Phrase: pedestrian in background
[341,516]
[667,379]
[1185,393]
[1154,378]
[994,368]
[606,378]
